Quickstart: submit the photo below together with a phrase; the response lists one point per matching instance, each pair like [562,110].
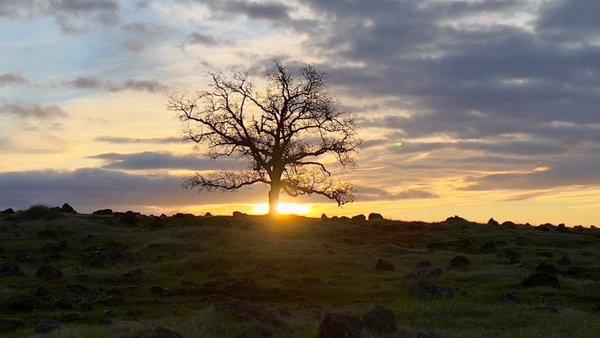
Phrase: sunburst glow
[284,208]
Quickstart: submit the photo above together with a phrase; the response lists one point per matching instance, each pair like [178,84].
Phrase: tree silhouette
[284,131]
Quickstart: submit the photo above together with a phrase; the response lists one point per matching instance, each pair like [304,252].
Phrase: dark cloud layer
[94,83]
[11,79]
[365,193]
[33,110]
[138,140]
[162,160]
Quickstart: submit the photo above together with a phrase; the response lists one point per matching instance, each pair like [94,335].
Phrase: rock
[545,254]
[324,217]
[67,209]
[71,317]
[129,218]
[375,217]
[587,253]
[429,335]
[459,262]
[432,246]
[8,211]
[161,332]
[456,219]
[48,233]
[547,268]
[46,326]
[493,222]
[10,269]
[111,253]
[344,218]
[103,212]
[464,245]
[509,224]
[359,218]
[337,325]
[510,297]
[564,261]
[383,265]
[47,271]
[112,300]
[561,228]
[159,290]
[247,310]
[10,324]
[424,289]
[488,247]
[239,214]
[208,214]
[380,320]
[77,288]
[19,303]
[429,272]
[423,263]
[540,279]
[510,256]
[27,258]
[334,218]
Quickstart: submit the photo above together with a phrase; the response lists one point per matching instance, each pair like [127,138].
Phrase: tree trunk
[274,199]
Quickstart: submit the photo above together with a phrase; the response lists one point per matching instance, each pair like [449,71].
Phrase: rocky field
[130,275]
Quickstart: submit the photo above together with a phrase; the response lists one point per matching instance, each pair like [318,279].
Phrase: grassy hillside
[129,275]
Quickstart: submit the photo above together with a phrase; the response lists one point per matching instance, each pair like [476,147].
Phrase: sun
[284,208]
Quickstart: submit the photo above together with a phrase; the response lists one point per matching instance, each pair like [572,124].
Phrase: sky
[475,108]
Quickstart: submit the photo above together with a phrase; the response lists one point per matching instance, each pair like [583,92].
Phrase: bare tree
[283,131]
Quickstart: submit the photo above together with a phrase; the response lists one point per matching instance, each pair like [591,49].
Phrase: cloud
[33,110]
[137,36]
[11,79]
[162,160]
[92,188]
[200,39]
[132,140]
[72,16]
[265,10]
[94,83]
[365,193]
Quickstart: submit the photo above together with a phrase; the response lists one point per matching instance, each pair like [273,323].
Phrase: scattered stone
[8,211]
[336,325]
[46,326]
[129,218]
[10,269]
[161,332]
[383,265]
[509,224]
[493,222]
[456,219]
[103,212]
[10,325]
[375,217]
[324,217]
[208,214]
[564,261]
[344,218]
[71,317]
[429,335]
[381,320]
[424,289]
[540,279]
[359,218]
[238,214]
[247,310]
[430,272]
[510,297]
[459,262]
[334,218]
[510,256]
[67,209]
[547,268]
[561,228]
[47,271]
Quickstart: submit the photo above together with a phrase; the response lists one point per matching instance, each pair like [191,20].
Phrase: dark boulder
[564,261]
[561,228]
[380,320]
[48,233]
[509,224]
[493,222]
[8,211]
[336,325]
[238,214]
[510,256]
[459,262]
[510,297]
[103,212]
[208,214]
[359,218]
[67,209]
[344,218]
[424,289]
[456,219]
[429,335]
[430,272]
[47,271]
[540,279]
[375,217]
[383,265]
[324,217]
[547,268]
[10,269]
[161,332]
[488,247]
[46,326]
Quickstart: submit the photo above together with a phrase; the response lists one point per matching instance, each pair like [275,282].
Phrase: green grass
[301,267]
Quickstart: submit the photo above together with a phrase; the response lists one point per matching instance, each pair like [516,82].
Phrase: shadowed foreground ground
[129,275]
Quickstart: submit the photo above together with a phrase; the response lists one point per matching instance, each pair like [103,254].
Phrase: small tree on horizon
[283,131]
